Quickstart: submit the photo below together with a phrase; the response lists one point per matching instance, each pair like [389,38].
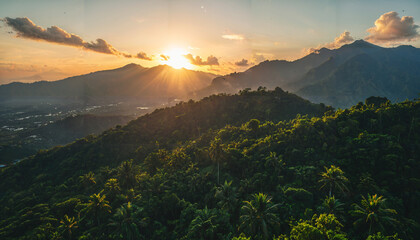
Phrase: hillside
[130,81]
[194,165]
[340,77]
[381,73]
[170,125]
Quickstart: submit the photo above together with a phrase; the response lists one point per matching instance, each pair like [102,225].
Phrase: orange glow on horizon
[176,59]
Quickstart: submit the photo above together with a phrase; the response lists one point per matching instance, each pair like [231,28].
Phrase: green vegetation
[211,170]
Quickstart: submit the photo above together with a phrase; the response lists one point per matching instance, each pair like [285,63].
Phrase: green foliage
[209,224]
[97,207]
[258,215]
[380,236]
[226,196]
[127,174]
[373,212]
[241,237]
[328,222]
[332,205]
[127,220]
[216,155]
[333,178]
[112,186]
[67,226]
[305,231]
[169,189]
[299,195]
[322,227]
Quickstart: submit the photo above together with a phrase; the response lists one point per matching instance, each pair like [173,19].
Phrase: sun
[175,58]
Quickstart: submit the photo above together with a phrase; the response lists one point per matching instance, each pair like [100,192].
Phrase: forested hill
[350,174]
[163,128]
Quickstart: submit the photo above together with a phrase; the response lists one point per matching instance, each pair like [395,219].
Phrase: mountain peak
[166,67]
[360,44]
[131,66]
[323,50]
[406,47]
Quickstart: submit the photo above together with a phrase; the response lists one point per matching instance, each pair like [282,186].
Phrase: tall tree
[127,174]
[68,225]
[98,206]
[373,212]
[127,221]
[332,205]
[112,186]
[216,155]
[226,196]
[258,214]
[87,180]
[333,178]
[203,225]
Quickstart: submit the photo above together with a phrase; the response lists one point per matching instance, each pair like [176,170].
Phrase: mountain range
[130,81]
[340,77]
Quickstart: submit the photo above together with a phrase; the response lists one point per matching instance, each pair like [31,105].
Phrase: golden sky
[50,40]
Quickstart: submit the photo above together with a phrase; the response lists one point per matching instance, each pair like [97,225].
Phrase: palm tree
[332,178]
[332,205]
[97,206]
[258,214]
[226,194]
[216,154]
[373,212]
[127,174]
[127,221]
[203,224]
[112,186]
[87,179]
[68,225]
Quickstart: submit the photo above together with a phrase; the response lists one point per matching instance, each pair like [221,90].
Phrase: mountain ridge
[317,67]
[131,80]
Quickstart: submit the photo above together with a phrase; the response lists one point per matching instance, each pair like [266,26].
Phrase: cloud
[211,60]
[25,28]
[100,46]
[339,41]
[242,63]
[142,55]
[164,57]
[233,37]
[390,28]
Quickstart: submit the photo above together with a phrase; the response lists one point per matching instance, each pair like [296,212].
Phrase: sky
[50,40]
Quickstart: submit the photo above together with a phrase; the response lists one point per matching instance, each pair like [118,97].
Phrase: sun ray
[175,58]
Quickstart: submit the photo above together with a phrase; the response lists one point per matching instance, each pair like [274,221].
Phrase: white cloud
[339,41]
[390,28]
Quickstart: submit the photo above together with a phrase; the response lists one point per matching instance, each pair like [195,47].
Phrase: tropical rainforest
[254,165]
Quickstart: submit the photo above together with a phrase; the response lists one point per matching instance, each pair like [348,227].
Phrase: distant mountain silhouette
[129,81]
[340,77]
